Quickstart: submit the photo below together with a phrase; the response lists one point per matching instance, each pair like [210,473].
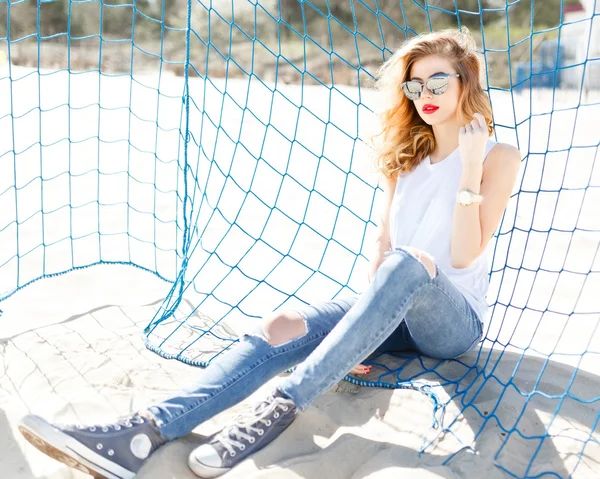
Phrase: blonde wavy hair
[404,139]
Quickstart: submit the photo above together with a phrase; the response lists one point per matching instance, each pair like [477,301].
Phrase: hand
[373,269]
[375,264]
[472,139]
[361,369]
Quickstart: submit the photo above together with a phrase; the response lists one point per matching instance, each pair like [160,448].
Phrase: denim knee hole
[259,332]
[416,254]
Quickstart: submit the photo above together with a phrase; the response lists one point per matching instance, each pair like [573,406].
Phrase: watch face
[464,197]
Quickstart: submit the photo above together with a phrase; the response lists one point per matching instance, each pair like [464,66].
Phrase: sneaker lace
[125,422]
[249,422]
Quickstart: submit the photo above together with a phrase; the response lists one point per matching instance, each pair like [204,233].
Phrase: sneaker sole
[69,451]
[204,471]
[208,472]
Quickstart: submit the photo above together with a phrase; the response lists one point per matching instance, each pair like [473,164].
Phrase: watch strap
[474,197]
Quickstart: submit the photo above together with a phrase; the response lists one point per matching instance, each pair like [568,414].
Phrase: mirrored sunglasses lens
[438,85]
[412,90]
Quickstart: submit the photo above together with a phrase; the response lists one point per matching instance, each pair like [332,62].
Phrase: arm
[382,241]
[474,225]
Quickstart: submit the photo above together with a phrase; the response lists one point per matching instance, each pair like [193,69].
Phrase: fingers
[479,121]
[468,128]
[477,124]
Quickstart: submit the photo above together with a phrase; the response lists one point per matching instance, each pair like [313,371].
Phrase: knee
[282,326]
[425,259]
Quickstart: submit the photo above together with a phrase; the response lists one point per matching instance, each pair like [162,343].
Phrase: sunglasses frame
[437,75]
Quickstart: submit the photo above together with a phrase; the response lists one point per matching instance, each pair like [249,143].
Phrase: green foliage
[426,15]
[362,33]
[406,17]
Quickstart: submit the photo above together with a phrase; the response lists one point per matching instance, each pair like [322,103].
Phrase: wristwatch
[466,197]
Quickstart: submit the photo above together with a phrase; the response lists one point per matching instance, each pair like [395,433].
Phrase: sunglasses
[437,85]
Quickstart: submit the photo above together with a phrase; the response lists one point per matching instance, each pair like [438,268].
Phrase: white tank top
[421,216]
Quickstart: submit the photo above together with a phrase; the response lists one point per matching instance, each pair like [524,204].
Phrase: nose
[426,92]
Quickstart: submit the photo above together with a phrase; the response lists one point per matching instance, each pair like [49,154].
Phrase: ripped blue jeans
[403,308]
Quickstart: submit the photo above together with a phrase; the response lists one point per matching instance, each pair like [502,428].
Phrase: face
[435,109]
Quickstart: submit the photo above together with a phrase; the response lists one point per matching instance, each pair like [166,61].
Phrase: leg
[426,329]
[444,326]
[374,316]
[401,339]
[407,290]
[403,289]
[283,340]
[279,328]
[118,451]
[280,342]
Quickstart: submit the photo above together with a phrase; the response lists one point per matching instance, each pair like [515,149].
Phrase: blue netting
[221,148]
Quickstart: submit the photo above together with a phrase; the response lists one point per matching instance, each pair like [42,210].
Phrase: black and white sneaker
[246,435]
[111,451]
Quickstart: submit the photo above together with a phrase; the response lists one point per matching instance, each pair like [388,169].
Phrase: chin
[432,119]
[435,119]
[427,119]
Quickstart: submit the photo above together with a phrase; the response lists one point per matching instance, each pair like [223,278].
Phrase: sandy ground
[72,348]
[78,356]
[72,351]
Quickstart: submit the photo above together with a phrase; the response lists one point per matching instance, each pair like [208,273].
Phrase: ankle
[148,415]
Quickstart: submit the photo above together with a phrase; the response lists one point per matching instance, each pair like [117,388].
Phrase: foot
[246,435]
[111,451]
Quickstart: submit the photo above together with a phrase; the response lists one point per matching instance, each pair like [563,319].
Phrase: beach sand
[72,346]
[73,352]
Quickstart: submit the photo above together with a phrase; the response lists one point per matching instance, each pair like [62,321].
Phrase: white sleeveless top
[421,216]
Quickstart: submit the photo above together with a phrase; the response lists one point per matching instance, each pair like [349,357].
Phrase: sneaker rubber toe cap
[205,462]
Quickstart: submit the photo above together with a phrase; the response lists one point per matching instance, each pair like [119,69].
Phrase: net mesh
[220,147]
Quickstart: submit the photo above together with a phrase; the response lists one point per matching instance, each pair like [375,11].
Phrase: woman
[447,185]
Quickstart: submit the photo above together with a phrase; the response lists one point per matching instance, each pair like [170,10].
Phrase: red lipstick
[428,109]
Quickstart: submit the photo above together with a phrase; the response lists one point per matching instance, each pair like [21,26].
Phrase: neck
[446,139]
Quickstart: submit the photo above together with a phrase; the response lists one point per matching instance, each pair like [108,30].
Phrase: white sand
[72,348]
[80,357]
[72,351]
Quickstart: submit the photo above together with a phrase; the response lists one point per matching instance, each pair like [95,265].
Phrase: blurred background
[333,41]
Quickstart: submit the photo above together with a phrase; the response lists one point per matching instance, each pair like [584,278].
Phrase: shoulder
[502,161]
[503,153]
[388,183]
